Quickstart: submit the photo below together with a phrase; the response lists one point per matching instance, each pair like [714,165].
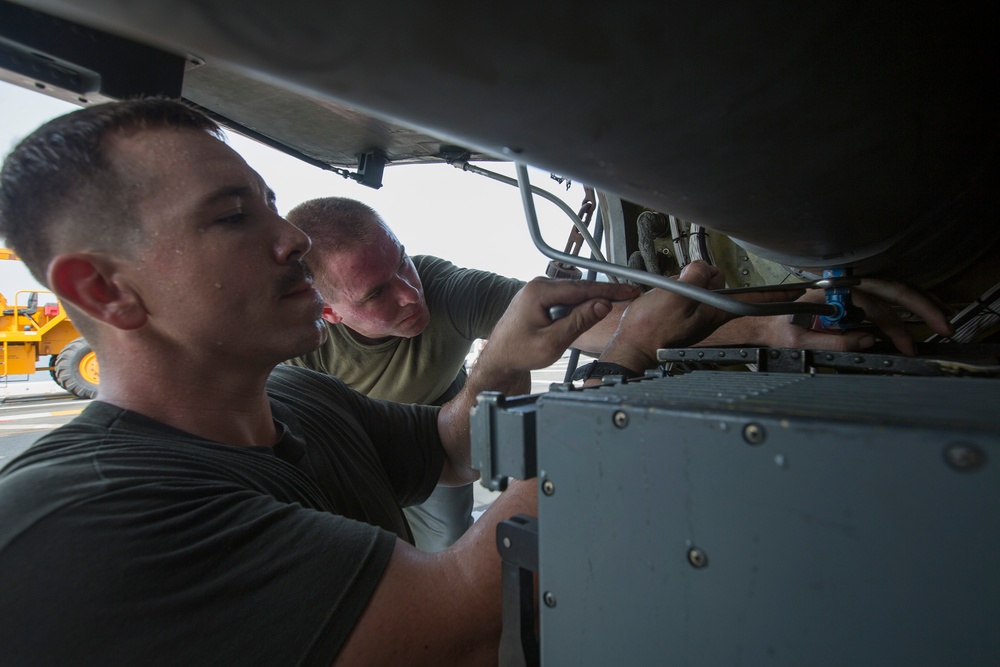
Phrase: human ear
[92,283]
[330,315]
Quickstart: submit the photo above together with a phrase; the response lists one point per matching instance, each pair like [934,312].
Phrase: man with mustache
[209,507]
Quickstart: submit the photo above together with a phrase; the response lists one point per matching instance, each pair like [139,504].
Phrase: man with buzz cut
[400,328]
[208,507]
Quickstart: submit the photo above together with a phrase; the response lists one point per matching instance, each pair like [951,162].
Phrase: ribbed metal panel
[929,402]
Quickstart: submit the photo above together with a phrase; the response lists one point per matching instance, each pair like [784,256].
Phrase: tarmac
[29,386]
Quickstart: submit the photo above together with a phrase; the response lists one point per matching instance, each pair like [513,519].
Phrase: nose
[406,293]
[292,243]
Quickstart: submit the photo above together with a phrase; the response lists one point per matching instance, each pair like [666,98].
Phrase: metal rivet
[829,357]
[549,598]
[621,419]
[858,360]
[682,353]
[701,354]
[753,434]
[774,354]
[722,354]
[795,355]
[887,363]
[506,543]
[697,557]
[548,487]
[964,457]
[743,353]
[746,272]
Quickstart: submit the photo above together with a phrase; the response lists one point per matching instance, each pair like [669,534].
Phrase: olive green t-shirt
[464,305]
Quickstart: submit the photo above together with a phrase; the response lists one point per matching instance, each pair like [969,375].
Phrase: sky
[436,209]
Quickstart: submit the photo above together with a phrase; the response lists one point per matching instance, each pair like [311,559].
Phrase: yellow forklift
[30,330]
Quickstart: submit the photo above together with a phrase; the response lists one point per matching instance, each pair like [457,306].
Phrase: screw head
[964,457]
[548,487]
[697,558]
[549,599]
[621,419]
[754,433]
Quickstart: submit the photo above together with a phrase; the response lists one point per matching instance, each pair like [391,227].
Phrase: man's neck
[231,408]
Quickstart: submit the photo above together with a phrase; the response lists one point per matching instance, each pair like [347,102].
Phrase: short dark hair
[335,224]
[62,172]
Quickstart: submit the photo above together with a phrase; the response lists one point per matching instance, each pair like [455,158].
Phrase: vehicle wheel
[76,370]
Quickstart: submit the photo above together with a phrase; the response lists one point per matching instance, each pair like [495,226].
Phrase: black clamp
[517,542]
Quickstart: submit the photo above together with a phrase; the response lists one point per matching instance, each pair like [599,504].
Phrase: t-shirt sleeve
[405,437]
[474,300]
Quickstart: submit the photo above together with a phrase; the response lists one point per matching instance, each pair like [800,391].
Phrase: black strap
[599,369]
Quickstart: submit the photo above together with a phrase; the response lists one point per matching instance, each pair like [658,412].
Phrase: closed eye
[233,219]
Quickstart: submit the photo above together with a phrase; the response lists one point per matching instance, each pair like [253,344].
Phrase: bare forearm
[448,604]
[476,559]
[596,339]
[740,331]
[453,420]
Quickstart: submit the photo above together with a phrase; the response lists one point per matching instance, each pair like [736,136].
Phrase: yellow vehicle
[30,330]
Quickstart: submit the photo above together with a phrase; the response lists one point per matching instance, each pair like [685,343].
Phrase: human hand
[527,338]
[660,318]
[874,296]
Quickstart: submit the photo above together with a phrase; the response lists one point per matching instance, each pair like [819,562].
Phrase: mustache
[298,274]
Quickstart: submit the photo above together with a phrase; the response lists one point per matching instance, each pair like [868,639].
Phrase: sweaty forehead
[178,165]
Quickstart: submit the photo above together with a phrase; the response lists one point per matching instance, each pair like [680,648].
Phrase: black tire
[75,369]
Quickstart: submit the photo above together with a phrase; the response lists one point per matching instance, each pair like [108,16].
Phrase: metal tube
[691,291]
[595,248]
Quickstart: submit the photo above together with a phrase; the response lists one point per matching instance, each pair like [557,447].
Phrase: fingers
[849,341]
[546,292]
[582,317]
[526,337]
[929,311]
[880,314]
